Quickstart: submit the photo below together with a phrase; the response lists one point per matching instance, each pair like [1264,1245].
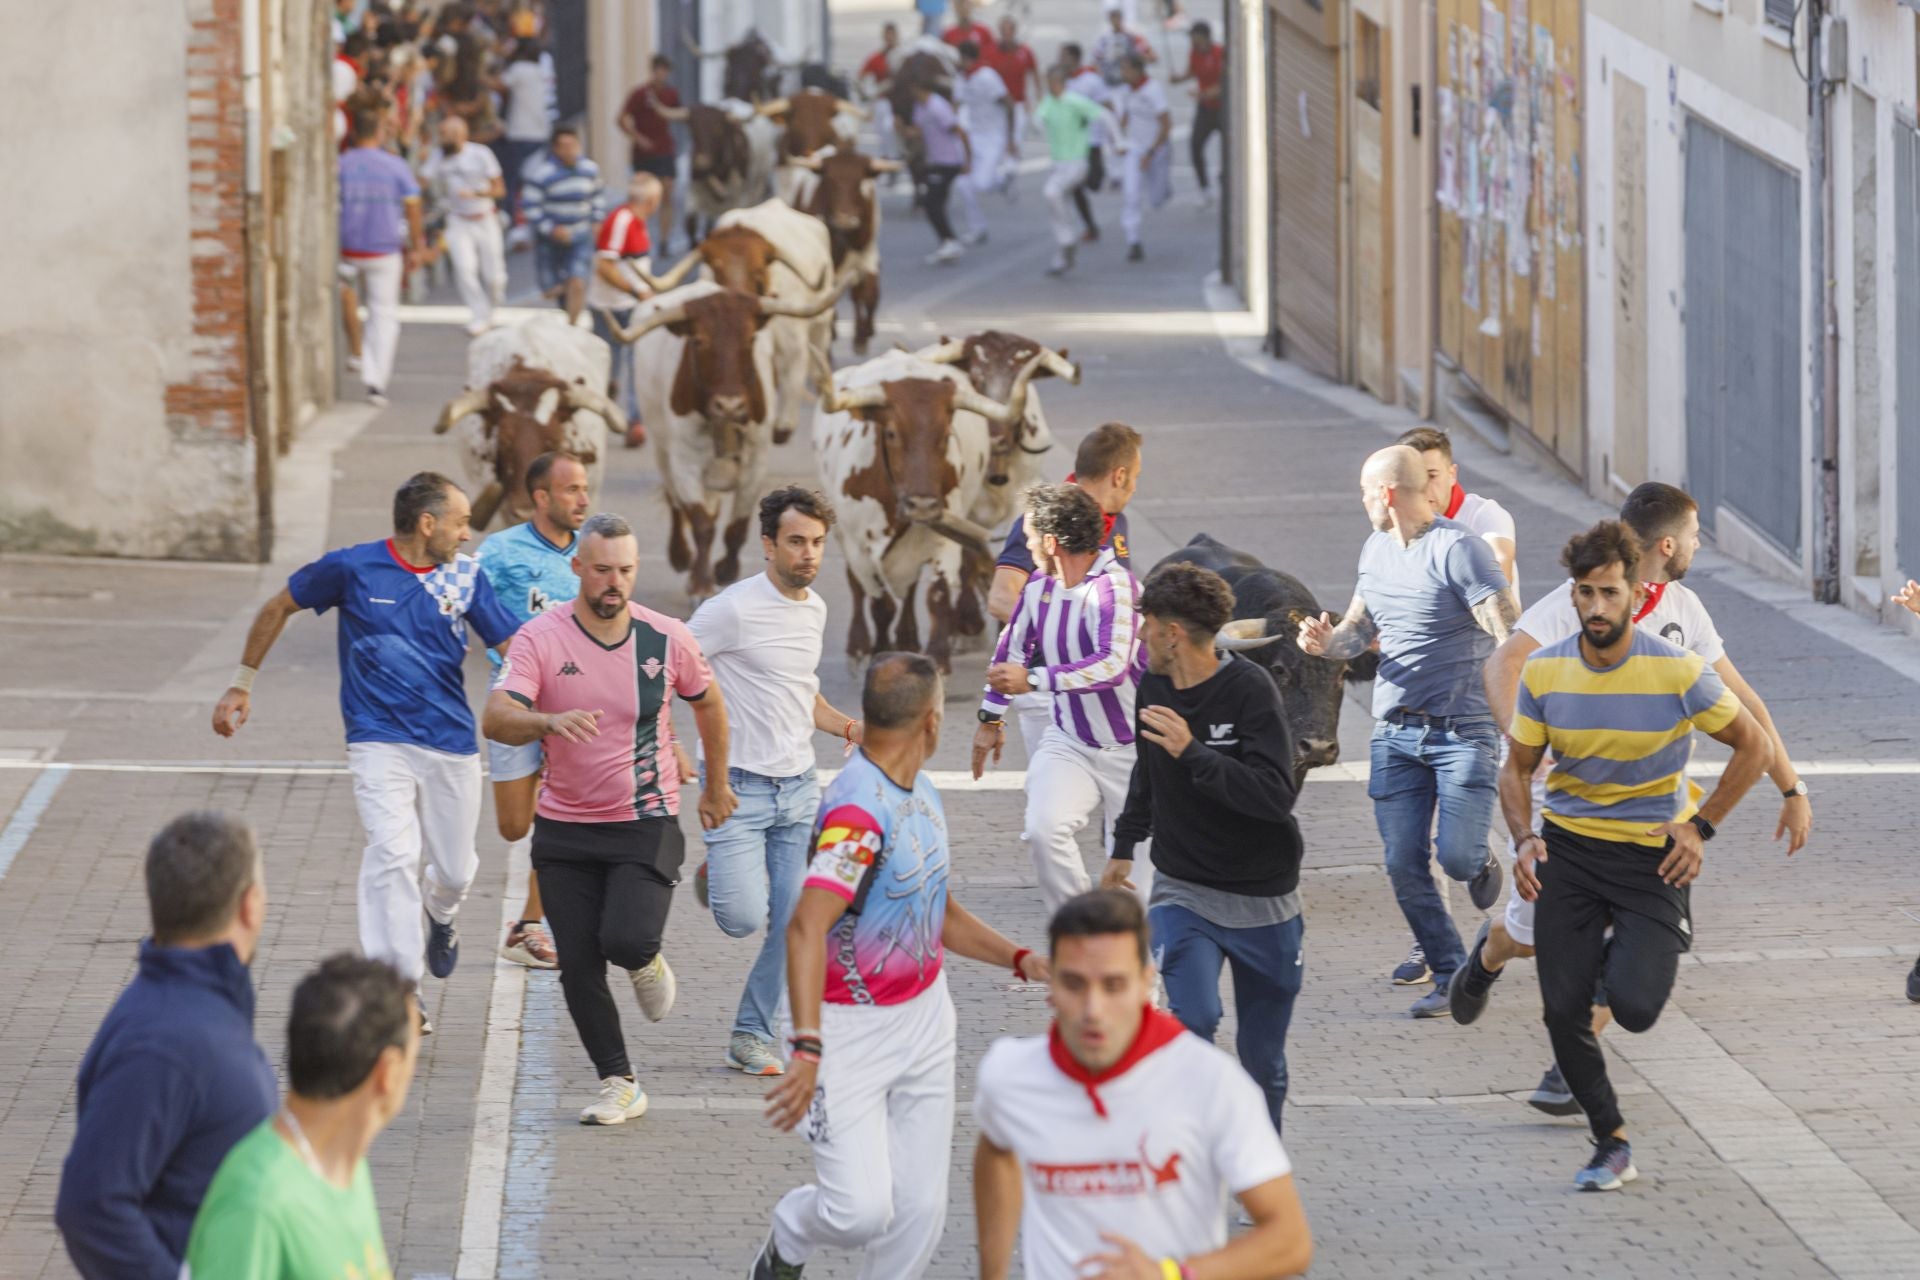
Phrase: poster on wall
[1449,180]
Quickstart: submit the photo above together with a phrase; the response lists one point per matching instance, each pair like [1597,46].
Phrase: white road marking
[32,807]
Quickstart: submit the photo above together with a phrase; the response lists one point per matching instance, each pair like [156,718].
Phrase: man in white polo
[468,181]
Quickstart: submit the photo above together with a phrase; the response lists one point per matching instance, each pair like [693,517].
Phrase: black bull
[1310,692]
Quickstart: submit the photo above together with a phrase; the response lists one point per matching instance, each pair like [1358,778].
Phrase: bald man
[467,180]
[1433,595]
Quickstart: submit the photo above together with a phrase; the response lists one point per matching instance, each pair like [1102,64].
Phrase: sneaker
[949,251]
[973,238]
[353,364]
[443,947]
[636,434]
[700,884]
[1412,971]
[1206,198]
[771,1266]
[529,944]
[620,1100]
[1467,993]
[748,1053]
[1135,253]
[376,397]
[1913,983]
[1089,235]
[1553,1096]
[1435,1003]
[426,1024]
[1485,887]
[1611,1166]
[654,988]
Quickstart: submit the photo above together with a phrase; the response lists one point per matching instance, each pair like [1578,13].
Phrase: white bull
[533,386]
[903,447]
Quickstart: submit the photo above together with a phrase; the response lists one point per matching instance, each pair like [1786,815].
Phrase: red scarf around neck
[1106,533]
[1157,1030]
[1454,500]
[1654,591]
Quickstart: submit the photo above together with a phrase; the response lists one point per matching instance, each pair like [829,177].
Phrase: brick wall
[213,398]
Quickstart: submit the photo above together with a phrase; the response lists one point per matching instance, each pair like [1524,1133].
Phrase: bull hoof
[859,346]
[726,571]
[679,558]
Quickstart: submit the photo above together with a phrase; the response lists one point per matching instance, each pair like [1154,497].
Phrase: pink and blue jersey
[884,850]
[403,639]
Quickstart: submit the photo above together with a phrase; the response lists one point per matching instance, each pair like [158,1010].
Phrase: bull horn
[814,285]
[885,166]
[802,308]
[946,351]
[811,162]
[1245,633]
[486,503]
[1016,406]
[959,529]
[698,52]
[675,274]
[459,407]
[579,396]
[1057,364]
[661,316]
[834,400]
[853,109]
[778,107]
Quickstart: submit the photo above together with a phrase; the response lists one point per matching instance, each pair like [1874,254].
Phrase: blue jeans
[1267,964]
[624,388]
[756,861]
[1416,770]
[554,263]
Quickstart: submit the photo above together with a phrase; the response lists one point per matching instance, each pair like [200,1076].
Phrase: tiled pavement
[1770,1109]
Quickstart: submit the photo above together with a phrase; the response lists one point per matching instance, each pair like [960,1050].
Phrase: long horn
[948,351]
[459,407]
[814,285]
[807,162]
[1057,364]
[963,531]
[886,166]
[778,107]
[1016,406]
[579,396]
[698,52]
[1246,633]
[662,316]
[675,274]
[853,109]
[802,308]
[834,400]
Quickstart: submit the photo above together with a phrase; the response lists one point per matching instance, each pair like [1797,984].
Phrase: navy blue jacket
[172,1080]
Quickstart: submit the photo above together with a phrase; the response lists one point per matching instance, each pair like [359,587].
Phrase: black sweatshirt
[1221,815]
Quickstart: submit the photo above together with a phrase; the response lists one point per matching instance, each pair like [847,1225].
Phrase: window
[1779,13]
[1366,74]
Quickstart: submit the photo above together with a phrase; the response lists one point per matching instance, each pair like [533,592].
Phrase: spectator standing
[529,120]
[621,252]
[353,1041]
[173,1078]
[379,197]
[1146,178]
[647,120]
[469,181]
[947,154]
[564,198]
[1207,68]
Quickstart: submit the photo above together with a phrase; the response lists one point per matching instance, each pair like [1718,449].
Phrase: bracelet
[847,732]
[799,1032]
[1018,956]
[243,678]
[806,1055]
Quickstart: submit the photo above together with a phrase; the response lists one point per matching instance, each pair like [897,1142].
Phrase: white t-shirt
[765,652]
[527,116]
[472,168]
[1678,617]
[982,96]
[1144,106]
[1185,1127]
[1490,520]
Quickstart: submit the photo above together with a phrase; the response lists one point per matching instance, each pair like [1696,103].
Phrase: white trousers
[380,290]
[1034,711]
[886,143]
[1062,216]
[412,801]
[1066,782]
[1133,195]
[1519,917]
[479,263]
[881,1129]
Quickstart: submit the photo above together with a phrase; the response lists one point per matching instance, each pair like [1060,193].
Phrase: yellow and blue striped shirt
[1621,737]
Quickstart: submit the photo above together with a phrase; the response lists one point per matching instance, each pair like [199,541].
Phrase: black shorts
[659,166]
[649,842]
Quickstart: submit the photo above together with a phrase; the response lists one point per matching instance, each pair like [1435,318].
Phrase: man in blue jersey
[531,568]
[405,604]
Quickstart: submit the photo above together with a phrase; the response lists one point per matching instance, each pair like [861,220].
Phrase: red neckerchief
[1454,500]
[402,560]
[1654,591]
[1106,521]
[1157,1030]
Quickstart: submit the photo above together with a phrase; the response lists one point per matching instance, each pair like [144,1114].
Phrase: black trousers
[605,907]
[1096,178]
[1206,123]
[1587,885]
[940,178]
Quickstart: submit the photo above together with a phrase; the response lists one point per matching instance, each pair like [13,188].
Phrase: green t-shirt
[1067,120]
[267,1216]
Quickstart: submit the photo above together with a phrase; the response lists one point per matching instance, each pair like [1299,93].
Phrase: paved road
[1770,1107]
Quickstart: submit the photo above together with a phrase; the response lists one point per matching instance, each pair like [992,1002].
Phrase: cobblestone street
[1772,1113]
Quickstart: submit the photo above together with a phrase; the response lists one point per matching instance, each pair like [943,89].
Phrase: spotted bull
[846,201]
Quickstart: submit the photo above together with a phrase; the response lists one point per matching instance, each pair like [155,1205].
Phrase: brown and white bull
[903,447]
[813,121]
[532,388]
[729,162]
[702,361]
[776,252]
[847,200]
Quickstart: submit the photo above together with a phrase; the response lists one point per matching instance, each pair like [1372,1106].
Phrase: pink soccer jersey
[628,770]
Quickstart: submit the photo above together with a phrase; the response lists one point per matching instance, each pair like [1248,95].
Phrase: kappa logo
[653,667]
[569,669]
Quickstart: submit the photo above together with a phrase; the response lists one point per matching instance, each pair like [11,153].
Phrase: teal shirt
[1068,119]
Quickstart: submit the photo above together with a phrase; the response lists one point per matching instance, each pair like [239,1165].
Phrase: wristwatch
[1704,827]
[987,717]
[1797,789]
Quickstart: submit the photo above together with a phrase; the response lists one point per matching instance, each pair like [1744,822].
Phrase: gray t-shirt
[1218,907]
[1422,597]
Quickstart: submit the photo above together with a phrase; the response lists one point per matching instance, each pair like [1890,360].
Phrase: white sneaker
[973,238]
[654,987]
[1206,199]
[353,364]
[376,397]
[621,1100]
[949,251]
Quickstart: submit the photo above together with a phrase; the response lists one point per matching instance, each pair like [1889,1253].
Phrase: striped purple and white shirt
[1081,644]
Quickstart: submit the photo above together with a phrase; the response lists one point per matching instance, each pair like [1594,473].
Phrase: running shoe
[376,397]
[700,884]
[748,1053]
[443,947]
[1471,986]
[528,944]
[1485,886]
[353,364]
[620,1100]
[1611,1167]
[1135,253]
[1089,235]
[426,1024]
[1435,1003]
[1913,983]
[771,1266]
[1553,1096]
[973,238]
[654,988]
[1412,971]
[949,251]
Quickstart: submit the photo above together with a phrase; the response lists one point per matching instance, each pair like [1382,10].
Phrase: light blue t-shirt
[529,574]
[1422,597]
